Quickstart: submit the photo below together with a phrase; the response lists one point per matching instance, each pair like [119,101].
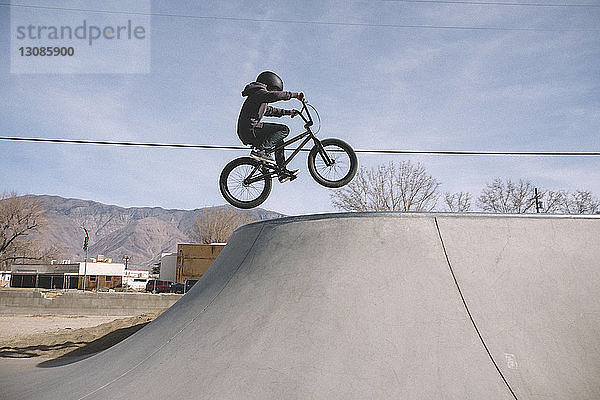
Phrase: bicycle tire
[340,152]
[232,187]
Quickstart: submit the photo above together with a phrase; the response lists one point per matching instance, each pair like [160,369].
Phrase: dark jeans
[270,136]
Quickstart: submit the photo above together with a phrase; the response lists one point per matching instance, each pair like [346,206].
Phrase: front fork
[328,161]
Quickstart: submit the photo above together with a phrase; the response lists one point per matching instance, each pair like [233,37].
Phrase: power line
[115,143]
[486,153]
[306,22]
[364,151]
[496,3]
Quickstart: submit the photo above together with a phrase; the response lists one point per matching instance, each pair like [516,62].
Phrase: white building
[168,267]
[101,274]
[135,279]
[5,278]
[101,268]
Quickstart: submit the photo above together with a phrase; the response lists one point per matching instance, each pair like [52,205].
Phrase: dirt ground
[61,336]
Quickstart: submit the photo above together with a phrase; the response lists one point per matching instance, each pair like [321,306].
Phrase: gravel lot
[60,336]
[18,326]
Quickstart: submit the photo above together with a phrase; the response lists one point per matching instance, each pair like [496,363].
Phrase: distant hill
[143,233]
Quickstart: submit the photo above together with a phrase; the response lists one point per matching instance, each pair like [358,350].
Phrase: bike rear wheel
[245,183]
[333,164]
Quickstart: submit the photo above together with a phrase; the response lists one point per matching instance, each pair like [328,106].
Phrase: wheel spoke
[237,187]
[340,167]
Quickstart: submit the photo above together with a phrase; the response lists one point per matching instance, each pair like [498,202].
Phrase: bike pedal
[289,177]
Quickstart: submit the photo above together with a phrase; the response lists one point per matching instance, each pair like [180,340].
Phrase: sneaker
[288,175]
[261,155]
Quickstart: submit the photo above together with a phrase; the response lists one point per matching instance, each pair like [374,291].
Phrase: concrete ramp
[367,306]
[532,286]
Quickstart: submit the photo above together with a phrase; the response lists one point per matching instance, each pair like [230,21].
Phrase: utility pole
[538,203]
[85,248]
[154,290]
[126,258]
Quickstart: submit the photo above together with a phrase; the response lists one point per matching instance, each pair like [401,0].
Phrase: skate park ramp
[367,306]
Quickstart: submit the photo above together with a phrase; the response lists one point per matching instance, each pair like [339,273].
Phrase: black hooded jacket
[255,107]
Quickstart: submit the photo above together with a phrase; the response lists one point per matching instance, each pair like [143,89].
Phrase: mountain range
[142,233]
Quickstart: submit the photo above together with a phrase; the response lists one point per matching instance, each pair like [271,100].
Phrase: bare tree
[217,225]
[391,187]
[581,202]
[457,202]
[20,217]
[564,202]
[508,197]
[553,202]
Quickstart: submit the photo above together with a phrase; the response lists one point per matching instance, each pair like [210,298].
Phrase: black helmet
[271,79]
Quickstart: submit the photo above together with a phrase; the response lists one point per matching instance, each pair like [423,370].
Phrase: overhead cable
[365,151]
[497,3]
[307,22]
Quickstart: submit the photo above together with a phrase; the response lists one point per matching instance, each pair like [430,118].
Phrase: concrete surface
[74,302]
[367,306]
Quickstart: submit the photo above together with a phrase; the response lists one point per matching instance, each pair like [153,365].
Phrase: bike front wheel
[245,183]
[333,163]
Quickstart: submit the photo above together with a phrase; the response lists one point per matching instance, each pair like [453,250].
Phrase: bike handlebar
[308,122]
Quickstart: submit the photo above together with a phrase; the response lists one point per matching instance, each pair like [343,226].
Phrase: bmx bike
[246,182]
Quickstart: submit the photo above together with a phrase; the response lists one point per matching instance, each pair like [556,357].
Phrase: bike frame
[307,135]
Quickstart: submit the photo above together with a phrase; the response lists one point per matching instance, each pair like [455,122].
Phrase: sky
[383,75]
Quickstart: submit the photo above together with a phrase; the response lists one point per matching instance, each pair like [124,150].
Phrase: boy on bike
[265,136]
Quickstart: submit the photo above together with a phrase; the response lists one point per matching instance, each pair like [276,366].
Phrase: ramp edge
[184,327]
[469,311]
